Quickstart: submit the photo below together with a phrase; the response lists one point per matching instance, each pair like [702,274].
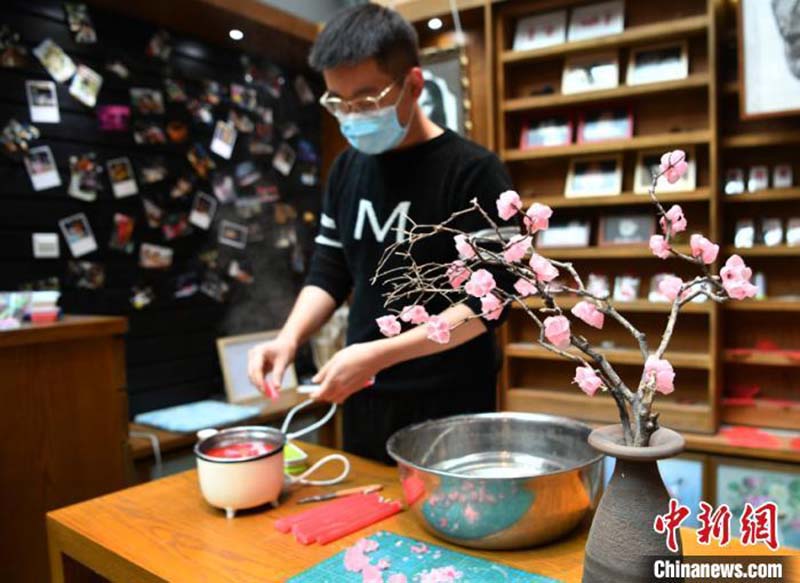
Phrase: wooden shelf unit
[644,306]
[766,195]
[662,121]
[764,251]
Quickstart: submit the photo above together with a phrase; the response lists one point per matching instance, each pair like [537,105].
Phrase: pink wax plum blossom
[480,283]
[457,274]
[557,331]
[677,220]
[736,278]
[383,564]
[670,287]
[589,313]
[524,287]
[371,574]
[355,560]
[538,217]
[491,307]
[388,325]
[517,248]
[414,314]
[673,165]
[659,246]
[508,204]
[588,380]
[464,247]
[438,329]
[662,372]
[703,248]
[397,578]
[544,270]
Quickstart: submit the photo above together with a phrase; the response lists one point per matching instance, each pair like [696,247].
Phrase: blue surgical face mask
[374,132]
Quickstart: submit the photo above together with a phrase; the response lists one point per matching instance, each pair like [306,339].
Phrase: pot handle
[301,479]
[310,428]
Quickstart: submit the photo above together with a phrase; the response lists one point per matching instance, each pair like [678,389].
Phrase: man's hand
[350,370]
[272,356]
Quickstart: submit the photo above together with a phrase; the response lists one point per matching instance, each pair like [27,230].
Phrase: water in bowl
[500,464]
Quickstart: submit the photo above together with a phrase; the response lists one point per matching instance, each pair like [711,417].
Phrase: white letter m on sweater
[399,215]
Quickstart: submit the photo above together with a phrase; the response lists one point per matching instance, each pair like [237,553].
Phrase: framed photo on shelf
[625,230]
[757,178]
[793,232]
[654,64]
[445,94]
[594,176]
[595,20]
[769,68]
[771,231]
[540,30]
[590,73]
[626,288]
[554,131]
[745,234]
[782,176]
[597,284]
[598,126]
[734,181]
[569,234]
[232,351]
[648,165]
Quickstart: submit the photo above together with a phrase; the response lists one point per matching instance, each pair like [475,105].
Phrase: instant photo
[148,132]
[147,101]
[41,167]
[233,234]
[84,181]
[594,177]
[86,274]
[153,170]
[625,230]
[598,126]
[200,160]
[42,101]
[222,185]
[46,246]
[155,256]
[176,225]
[78,234]
[86,85]
[153,213]
[114,118]
[120,173]
[122,233]
[55,60]
[224,139]
[80,23]
[284,159]
[203,209]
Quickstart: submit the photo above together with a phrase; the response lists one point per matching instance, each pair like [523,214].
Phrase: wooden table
[164,531]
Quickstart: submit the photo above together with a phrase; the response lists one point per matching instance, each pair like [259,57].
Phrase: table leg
[56,559]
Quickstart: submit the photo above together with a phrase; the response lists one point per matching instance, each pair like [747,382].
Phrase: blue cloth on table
[195,416]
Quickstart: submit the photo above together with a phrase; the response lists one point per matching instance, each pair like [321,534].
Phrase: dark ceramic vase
[622,539]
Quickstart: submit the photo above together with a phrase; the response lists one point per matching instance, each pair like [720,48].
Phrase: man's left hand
[350,370]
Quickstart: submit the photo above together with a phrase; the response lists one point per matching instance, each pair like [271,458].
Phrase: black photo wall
[225,248]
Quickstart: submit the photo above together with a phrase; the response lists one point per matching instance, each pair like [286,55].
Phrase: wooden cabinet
[64,429]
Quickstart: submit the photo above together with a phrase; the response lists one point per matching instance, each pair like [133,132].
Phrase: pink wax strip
[269,388]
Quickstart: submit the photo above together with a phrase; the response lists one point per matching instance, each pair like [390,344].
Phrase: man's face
[367,79]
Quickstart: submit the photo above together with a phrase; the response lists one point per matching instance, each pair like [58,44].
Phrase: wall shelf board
[615,355]
[761,358]
[768,305]
[610,252]
[770,194]
[639,306]
[702,194]
[764,251]
[760,139]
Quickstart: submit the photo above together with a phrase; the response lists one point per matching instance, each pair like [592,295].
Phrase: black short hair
[366,32]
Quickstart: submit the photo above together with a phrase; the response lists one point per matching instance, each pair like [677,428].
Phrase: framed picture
[769,65]
[540,30]
[745,234]
[737,482]
[734,181]
[625,230]
[232,351]
[605,125]
[595,176]
[597,284]
[782,176]
[648,164]
[771,231]
[445,97]
[663,62]
[555,131]
[757,178]
[569,234]
[626,288]
[596,20]
[590,73]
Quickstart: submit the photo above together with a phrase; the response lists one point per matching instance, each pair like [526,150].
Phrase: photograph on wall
[183,186]
[155,256]
[590,73]
[176,225]
[233,234]
[222,185]
[445,94]
[55,60]
[664,62]
[80,23]
[114,118]
[594,176]
[175,90]
[13,54]
[42,169]
[203,209]
[86,85]
[86,275]
[159,46]
[303,90]
[122,233]
[42,101]
[119,68]
[595,20]
[241,121]
[147,101]
[84,179]
[153,213]
[78,234]
[769,58]
[244,97]
[46,246]
[540,30]
[284,158]
[153,170]
[200,160]
[120,174]
[224,139]
[148,132]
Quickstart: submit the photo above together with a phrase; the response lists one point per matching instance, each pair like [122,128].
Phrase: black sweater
[365,199]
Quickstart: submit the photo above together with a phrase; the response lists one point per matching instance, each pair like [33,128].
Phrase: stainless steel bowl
[498,480]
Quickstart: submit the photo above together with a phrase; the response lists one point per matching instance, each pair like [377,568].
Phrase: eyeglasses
[370,103]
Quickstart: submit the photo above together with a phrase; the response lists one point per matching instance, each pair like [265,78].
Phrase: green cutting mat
[397,550]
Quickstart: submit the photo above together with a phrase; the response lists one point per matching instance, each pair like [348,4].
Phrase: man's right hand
[272,356]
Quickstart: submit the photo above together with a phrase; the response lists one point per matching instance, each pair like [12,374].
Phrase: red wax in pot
[240,450]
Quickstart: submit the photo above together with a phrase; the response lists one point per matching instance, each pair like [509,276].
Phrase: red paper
[750,437]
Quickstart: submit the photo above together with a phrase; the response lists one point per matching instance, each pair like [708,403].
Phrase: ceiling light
[236,34]
[435,23]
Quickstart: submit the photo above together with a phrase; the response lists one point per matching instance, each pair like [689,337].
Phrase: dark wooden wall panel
[171,354]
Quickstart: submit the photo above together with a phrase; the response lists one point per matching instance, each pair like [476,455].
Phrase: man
[400,165]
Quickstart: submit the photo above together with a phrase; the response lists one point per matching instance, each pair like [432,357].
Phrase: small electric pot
[255,474]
